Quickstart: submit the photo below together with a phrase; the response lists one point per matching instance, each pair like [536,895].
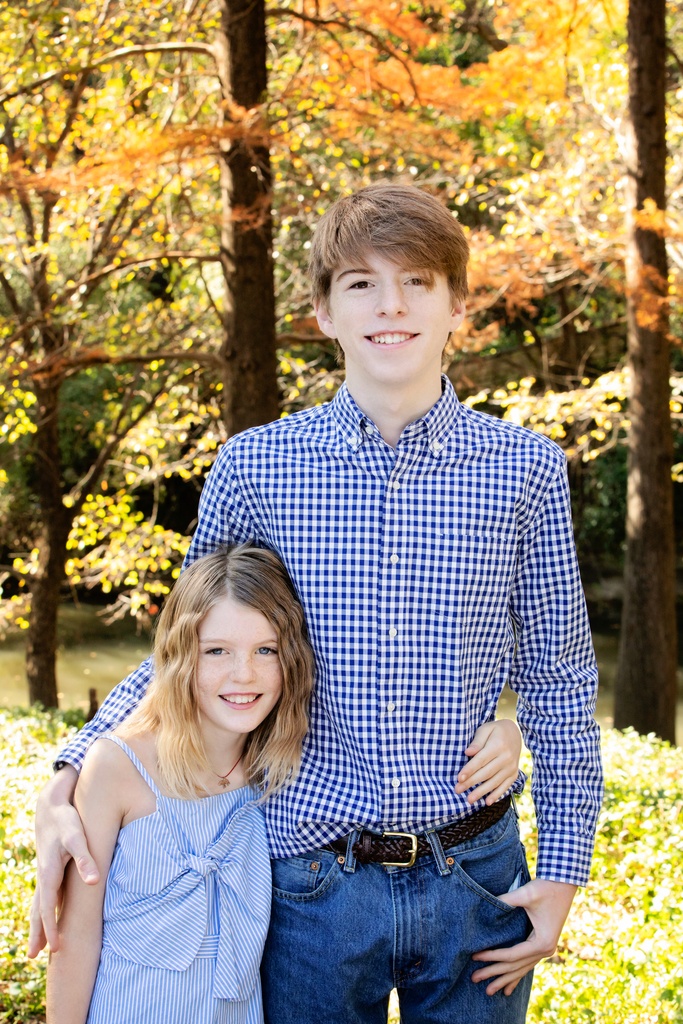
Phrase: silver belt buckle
[413,850]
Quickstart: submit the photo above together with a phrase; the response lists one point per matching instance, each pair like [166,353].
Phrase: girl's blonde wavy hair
[272,754]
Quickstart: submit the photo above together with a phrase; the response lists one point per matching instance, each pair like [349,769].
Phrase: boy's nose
[391,302]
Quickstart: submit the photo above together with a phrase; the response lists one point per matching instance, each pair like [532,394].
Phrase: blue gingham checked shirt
[430,574]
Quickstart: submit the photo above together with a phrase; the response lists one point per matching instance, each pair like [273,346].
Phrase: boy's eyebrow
[367,270]
[352,270]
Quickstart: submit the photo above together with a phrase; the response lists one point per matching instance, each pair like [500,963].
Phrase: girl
[169,804]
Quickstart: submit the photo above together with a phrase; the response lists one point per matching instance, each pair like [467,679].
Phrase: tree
[248,349]
[87,277]
[510,112]
[646,673]
[100,99]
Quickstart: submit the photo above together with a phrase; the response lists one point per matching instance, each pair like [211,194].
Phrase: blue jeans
[342,935]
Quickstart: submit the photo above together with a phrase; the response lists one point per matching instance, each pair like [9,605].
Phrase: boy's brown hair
[401,224]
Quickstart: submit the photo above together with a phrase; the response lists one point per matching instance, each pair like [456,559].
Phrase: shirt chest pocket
[468,573]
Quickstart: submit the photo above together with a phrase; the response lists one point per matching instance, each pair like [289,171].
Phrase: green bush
[621,957]
[28,740]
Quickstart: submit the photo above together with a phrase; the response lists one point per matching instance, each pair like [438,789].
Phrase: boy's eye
[360,284]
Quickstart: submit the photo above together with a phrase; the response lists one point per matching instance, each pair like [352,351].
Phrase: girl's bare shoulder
[110,773]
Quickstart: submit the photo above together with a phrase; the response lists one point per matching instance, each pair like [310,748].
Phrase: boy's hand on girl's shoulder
[547,905]
[59,838]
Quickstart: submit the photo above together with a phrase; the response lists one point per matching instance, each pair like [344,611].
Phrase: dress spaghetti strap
[136,761]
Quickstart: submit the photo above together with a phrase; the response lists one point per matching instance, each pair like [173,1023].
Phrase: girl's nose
[242,669]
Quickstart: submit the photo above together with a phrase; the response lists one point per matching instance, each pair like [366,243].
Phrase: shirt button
[394,559]
[393,632]
[391,706]
[395,484]
[395,783]
[369,430]
[353,439]
[436,447]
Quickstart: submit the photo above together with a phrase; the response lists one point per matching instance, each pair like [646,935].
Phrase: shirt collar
[437,425]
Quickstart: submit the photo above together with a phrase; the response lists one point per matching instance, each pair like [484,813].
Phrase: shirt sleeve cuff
[74,753]
[564,857]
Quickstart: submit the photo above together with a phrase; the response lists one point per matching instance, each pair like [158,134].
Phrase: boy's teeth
[389,339]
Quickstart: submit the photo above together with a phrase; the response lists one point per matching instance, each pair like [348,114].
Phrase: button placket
[391,652]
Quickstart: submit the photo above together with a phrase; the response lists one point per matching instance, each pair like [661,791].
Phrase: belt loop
[437,849]
[350,858]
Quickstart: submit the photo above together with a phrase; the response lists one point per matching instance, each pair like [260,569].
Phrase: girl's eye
[267,650]
[214,650]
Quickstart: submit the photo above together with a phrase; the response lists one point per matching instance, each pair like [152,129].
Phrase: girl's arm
[74,959]
[494,753]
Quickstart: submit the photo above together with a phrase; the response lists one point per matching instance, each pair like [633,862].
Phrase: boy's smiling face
[392,324]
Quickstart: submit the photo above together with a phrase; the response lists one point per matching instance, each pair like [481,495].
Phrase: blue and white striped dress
[186,913]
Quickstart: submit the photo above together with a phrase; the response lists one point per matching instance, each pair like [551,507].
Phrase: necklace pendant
[225,779]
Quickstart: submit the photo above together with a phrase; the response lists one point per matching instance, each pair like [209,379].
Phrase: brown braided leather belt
[401,849]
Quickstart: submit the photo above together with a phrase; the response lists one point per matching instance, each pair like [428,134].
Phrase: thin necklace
[224,780]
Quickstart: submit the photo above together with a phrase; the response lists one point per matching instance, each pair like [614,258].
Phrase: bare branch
[474,22]
[672,53]
[87,271]
[16,155]
[170,254]
[107,271]
[11,296]
[108,227]
[9,570]
[69,115]
[58,364]
[163,355]
[119,54]
[304,339]
[349,26]
[84,485]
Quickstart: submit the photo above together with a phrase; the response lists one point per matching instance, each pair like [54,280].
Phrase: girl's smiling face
[239,677]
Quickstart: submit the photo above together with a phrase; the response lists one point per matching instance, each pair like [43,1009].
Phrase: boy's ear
[322,315]
[457,315]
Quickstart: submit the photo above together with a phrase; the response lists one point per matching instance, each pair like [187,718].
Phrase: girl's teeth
[240,700]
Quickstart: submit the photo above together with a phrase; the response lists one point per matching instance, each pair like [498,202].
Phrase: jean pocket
[304,878]
[493,869]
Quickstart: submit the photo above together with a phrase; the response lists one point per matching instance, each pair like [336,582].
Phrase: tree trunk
[646,672]
[41,648]
[250,375]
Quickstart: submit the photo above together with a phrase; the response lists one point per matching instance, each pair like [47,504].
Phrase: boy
[432,549]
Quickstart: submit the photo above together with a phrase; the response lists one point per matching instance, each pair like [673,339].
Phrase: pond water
[93,655]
